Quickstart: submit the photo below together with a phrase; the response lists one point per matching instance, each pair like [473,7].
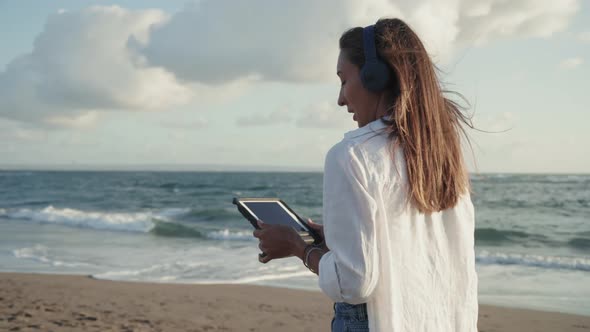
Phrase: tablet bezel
[244,203]
[310,236]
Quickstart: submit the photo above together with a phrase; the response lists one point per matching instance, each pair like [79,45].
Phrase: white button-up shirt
[415,271]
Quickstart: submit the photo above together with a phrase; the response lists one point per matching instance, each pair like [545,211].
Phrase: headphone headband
[375,73]
[369,44]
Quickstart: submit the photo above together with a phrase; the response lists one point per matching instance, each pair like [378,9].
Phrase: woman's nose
[341,101]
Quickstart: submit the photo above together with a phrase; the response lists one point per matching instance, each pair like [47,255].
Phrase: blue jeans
[350,318]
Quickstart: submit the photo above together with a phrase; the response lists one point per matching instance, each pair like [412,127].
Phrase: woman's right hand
[320,230]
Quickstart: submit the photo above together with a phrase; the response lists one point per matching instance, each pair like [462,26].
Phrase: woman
[398,219]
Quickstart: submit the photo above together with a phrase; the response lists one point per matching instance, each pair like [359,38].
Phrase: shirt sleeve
[349,271]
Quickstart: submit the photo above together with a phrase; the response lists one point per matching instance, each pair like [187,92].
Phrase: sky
[252,85]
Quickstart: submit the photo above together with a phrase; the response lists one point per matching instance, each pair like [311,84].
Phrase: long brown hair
[426,124]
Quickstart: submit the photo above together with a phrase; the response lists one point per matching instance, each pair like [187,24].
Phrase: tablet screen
[273,212]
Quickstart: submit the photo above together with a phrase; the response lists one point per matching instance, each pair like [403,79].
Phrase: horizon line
[210,168]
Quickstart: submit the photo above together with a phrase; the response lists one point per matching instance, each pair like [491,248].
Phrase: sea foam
[117,221]
[547,262]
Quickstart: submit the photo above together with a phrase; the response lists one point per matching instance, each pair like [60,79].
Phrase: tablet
[275,211]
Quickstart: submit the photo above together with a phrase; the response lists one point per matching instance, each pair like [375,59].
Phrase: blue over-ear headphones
[374,73]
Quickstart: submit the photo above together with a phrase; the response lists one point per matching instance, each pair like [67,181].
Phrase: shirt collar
[375,127]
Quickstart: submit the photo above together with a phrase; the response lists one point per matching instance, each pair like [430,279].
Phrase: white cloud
[77,120]
[81,63]
[325,115]
[198,123]
[280,116]
[13,131]
[219,41]
[584,37]
[110,58]
[214,41]
[496,123]
[486,20]
[571,63]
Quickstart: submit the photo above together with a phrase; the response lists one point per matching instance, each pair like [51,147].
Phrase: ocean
[532,231]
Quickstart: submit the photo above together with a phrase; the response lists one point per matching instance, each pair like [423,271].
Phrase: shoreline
[55,302]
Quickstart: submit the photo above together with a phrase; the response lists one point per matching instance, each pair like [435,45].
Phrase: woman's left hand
[278,241]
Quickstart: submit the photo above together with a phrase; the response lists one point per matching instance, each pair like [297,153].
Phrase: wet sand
[38,302]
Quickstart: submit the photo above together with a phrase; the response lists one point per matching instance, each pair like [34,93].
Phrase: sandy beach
[37,302]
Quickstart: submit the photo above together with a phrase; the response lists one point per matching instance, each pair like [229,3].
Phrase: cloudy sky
[249,84]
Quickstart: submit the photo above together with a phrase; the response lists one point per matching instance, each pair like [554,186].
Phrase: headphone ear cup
[375,76]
